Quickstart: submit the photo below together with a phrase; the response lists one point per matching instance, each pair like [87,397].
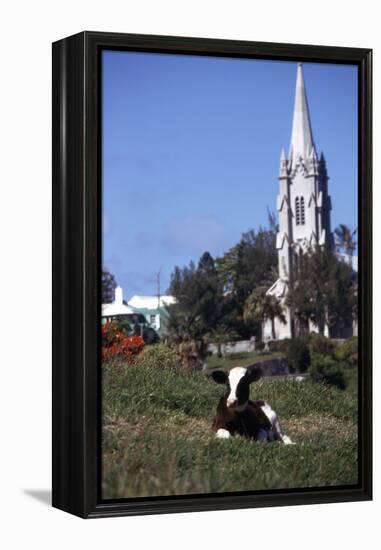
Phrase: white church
[303,204]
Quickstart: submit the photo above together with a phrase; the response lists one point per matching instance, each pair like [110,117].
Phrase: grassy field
[157,437]
[231,360]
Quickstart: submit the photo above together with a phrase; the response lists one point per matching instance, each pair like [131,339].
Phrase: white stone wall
[241,346]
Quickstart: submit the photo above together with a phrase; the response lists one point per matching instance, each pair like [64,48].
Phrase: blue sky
[191,149]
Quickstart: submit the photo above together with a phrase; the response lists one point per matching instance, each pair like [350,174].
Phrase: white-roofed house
[119,310]
[154,310]
[116,308]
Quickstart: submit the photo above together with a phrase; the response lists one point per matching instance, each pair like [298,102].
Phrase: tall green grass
[157,437]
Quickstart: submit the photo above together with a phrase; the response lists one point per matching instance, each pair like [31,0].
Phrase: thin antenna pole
[158,287]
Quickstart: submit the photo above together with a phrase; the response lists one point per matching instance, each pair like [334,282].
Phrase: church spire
[283,165]
[302,143]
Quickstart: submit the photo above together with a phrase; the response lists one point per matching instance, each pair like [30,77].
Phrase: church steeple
[302,143]
[303,205]
[303,202]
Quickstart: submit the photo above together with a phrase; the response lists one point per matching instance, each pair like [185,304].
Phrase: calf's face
[238,385]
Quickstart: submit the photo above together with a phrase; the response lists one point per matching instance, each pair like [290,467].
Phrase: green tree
[260,306]
[249,264]
[108,286]
[306,289]
[323,291]
[199,305]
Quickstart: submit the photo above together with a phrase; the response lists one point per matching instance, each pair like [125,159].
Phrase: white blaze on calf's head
[238,384]
[235,376]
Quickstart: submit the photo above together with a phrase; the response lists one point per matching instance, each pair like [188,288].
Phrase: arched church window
[297,211]
[302,212]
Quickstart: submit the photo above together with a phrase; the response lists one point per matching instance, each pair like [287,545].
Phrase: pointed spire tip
[301,137]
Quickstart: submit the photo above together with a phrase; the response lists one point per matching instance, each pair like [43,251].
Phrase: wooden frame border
[76,267]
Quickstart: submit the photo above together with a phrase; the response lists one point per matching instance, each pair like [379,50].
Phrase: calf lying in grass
[236,414]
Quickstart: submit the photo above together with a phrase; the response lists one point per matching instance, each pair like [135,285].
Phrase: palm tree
[221,334]
[344,238]
[260,306]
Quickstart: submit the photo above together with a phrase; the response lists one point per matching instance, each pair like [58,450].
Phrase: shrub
[321,345]
[347,352]
[149,335]
[279,345]
[298,354]
[259,346]
[124,326]
[115,344]
[159,356]
[192,354]
[328,370]
[274,345]
[109,333]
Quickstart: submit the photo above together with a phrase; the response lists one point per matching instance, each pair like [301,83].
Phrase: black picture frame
[76,272]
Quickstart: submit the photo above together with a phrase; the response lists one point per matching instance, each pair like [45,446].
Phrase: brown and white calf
[237,414]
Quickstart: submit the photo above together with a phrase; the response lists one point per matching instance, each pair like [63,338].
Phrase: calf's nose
[231,402]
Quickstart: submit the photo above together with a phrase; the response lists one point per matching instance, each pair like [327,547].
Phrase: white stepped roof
[109,310]
[150,302]
[117,307]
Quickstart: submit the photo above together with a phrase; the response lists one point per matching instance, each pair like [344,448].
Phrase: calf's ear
[254,373]
[220,376]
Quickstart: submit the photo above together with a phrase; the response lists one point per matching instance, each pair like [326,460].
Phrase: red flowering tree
[115,344]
